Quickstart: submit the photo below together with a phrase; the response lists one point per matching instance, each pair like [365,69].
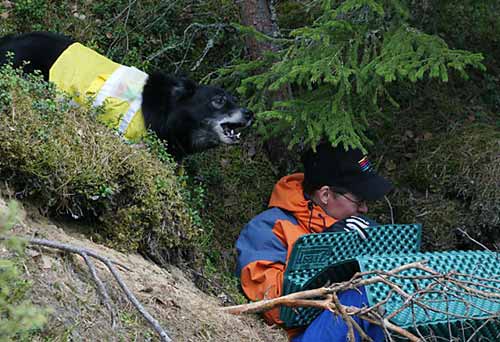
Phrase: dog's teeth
[232,132]
[238,135]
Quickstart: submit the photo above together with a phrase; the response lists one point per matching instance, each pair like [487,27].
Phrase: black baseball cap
[348,169]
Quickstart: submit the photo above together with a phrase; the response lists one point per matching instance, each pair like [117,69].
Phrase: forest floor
[62,283]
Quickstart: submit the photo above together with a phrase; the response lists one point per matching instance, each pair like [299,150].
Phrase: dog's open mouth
[232,130]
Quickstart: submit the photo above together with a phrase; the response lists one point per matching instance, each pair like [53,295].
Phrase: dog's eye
[218,102]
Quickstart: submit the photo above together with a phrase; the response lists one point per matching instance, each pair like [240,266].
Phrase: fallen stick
[85,253]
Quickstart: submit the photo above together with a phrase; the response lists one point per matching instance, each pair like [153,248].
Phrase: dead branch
[291,299]
[453,286]
[85,253]
[390,208]
[351,323]
[465,234]
[101,288]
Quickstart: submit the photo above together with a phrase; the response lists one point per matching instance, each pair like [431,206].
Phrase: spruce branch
[340,69]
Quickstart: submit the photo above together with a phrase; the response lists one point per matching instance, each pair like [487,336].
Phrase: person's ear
[324,193]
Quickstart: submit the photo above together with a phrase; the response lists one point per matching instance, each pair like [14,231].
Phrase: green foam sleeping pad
[449,310]
[334,257]
[313,253]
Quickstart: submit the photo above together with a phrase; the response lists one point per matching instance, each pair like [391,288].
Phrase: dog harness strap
[129,115]
[126,84]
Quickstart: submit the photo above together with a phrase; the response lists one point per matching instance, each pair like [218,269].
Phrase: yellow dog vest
[86,74]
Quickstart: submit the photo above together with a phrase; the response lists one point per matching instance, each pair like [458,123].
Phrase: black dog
[188,116]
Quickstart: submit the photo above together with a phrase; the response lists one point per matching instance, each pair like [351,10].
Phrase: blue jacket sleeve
[257,240]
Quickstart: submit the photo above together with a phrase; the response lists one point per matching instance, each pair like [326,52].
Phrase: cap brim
[372,188]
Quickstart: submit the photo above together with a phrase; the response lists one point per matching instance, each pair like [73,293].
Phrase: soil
[62,283]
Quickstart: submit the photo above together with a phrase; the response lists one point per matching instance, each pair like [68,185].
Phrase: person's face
[341,206]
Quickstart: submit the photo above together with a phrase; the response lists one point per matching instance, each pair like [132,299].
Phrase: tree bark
[259,14]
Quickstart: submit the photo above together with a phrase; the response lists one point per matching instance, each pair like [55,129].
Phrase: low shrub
[238,181]
[57,155]
[18,317]
[175,36]
[463,165]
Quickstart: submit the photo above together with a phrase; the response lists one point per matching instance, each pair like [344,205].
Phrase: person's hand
[353,223]
[357,224]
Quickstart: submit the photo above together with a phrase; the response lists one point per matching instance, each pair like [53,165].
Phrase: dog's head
[218,117]
[191,117]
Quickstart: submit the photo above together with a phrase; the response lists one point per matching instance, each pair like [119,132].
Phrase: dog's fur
[188,116]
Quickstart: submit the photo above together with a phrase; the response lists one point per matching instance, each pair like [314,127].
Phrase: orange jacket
[266,242]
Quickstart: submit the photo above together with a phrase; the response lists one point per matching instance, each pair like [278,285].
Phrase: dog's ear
[161,82]
[177,88]
[183,88]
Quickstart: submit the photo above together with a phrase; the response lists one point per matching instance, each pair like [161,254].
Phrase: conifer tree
[337,70]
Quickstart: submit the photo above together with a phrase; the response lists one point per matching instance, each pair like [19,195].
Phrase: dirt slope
[62,283]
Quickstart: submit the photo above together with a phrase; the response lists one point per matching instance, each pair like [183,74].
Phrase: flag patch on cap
[365,164]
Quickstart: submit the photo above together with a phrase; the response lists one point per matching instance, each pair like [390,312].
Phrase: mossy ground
[57,155]
[238,181]
[463,166]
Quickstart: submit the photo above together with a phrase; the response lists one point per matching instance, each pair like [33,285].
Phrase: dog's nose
[248,114]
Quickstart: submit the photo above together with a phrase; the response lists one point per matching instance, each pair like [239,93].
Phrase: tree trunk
[259,14]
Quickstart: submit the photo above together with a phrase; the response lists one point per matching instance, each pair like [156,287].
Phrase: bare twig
[351,323]
[390,208]
[464,233]
[101,288]
[85,253]
[290,300]
[451,287]
[471,338]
